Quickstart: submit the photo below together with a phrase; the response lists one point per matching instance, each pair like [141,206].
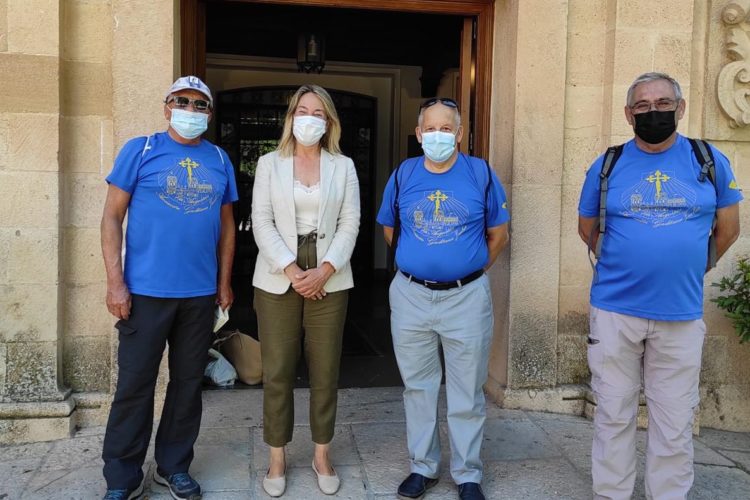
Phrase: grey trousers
[665,356]
[461,320]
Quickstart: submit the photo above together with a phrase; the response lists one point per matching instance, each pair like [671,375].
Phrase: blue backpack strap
[396,205]
[480,166]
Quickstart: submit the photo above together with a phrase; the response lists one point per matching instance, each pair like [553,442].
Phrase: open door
[476,50]
[466,84]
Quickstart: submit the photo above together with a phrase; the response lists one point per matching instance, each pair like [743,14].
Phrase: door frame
[193,43]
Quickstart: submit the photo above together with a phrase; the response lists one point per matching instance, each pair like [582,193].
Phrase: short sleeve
[124,173]
[727,190]
[497,210]
[386,216]
[588,205]
[230,193]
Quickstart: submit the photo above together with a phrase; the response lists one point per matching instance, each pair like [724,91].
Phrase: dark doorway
[249,122]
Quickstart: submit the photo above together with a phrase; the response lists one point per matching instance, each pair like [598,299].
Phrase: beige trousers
[625,352]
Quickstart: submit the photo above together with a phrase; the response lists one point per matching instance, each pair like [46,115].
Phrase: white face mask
[308,129]
[438,146]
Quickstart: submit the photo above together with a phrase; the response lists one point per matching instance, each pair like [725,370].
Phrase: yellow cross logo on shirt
[657,177]
[189,165]
[437,197]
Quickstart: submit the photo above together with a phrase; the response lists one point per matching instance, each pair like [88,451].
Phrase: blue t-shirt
[174,220]
[659,215]
[443,231]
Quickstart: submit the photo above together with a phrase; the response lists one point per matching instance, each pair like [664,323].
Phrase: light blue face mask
[438,146]
[188,124]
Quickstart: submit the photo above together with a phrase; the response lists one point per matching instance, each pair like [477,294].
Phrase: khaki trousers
[281,321]
[623,352]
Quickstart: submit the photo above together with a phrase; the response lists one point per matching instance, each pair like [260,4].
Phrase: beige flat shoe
[327,484]
[275,487]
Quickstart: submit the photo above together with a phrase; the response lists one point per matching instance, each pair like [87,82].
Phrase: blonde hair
[330,140]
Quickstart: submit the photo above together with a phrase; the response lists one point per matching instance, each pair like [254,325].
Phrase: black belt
[445,285]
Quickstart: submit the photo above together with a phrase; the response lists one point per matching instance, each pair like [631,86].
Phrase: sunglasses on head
[183,102]
[442,100]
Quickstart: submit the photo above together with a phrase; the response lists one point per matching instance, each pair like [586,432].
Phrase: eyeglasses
[183,102]
[442,100]
[660,105]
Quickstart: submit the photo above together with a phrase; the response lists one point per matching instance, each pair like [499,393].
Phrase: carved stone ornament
[732,85]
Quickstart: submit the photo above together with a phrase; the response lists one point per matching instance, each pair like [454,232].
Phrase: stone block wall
[87,154]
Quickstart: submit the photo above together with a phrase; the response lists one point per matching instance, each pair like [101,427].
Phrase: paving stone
[741,458]
[74,453]
[712,482]
[301,483]
[516,440]
[300,449]
[553,478]
[25,451]
[16,474]
[385,404]
[573,435]
[224,464]
[725,440]
[225,408]
[161,493]
[385,459]
[706,456]
[77,483]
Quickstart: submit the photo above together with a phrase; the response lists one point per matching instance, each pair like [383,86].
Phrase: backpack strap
[705,158]
[610,159]
[396,210]
[146,146]
[221,156]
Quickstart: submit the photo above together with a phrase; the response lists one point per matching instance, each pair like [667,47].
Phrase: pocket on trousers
[594,347]
[124,328]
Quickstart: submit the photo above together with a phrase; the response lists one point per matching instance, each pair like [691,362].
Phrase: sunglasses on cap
[183,102]
[442,100]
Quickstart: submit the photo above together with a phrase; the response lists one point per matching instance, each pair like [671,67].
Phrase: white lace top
[306,204]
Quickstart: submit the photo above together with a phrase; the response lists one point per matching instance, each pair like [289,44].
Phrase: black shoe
[124,494]
[181,485]
[470,491]
[415,485]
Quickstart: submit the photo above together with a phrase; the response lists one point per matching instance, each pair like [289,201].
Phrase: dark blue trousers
[186,325]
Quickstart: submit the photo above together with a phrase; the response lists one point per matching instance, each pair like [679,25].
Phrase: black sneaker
[124,494]
[181,485]
[415,485]
[470,491]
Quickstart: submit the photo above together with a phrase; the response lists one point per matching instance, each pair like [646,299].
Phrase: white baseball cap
[191,83]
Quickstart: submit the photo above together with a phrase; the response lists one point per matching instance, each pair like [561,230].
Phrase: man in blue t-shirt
[647,290]
[177,190]
[446,215]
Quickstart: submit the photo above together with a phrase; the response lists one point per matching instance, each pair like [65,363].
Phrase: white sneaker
[327,484]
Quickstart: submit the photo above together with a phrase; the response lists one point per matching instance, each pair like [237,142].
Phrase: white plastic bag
[219,371]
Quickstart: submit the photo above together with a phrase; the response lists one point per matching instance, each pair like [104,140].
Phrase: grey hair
[457,116]
[650,77]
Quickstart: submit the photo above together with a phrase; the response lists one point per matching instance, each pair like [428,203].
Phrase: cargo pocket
[124,328]
[595,349]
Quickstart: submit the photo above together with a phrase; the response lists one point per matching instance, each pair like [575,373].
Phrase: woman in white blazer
[305,219]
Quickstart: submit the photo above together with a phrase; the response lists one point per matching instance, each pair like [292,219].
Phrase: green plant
[735,298]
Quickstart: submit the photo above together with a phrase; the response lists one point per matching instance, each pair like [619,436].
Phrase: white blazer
[275,226]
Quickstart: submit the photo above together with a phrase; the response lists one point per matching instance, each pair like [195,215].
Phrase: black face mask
[655,126]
